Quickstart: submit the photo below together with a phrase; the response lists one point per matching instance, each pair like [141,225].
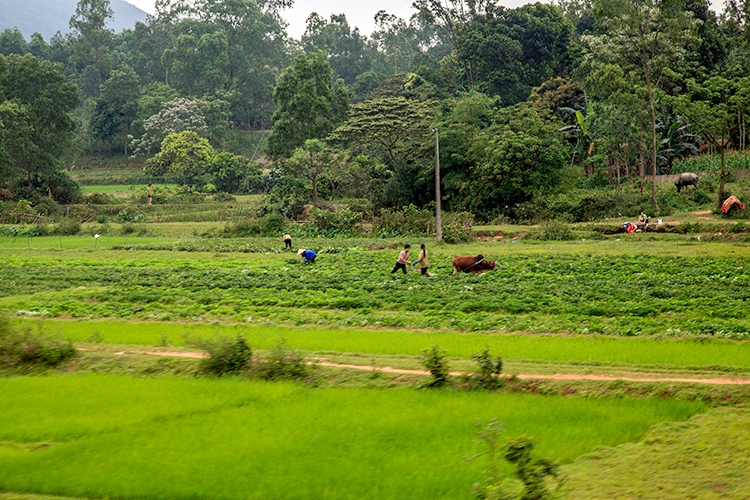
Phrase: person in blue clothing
[308,255]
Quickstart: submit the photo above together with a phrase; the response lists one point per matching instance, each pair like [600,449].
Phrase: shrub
[226,355]
[98,199]
[124,216]
[435,361]
[283,363]
[488,371]
[408,220]
[67,227]
[222,197]
[331,222]
[539,477]
[25,349]
[553,230]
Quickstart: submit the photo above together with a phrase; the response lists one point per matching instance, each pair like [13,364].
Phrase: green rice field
[121,437]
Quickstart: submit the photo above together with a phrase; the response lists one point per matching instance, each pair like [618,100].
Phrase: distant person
[403,259]
[643,218]
[422,260]
[150,198]
[308,255]
[287,241]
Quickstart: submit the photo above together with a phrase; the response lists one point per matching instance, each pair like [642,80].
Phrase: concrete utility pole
[438,217]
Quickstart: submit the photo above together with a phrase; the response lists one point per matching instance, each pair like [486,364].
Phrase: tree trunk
[722,150]
[654,203]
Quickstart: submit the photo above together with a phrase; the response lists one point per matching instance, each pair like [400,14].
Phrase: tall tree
[647,38]
[39,100]
[712,108]
[91,46]
[184,153]
[309,104]
[349,53]
[117,107]
[13,42]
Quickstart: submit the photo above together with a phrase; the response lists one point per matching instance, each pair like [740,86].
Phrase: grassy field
[584,350]
[122,437]
[667,304]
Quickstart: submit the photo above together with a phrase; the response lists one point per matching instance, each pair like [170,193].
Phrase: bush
[409,220]
[124,216]
[435,361]
[283,363]
[537,478]
[488,371]
[272,224]
[553,230]
[98,199]
[333,222]
[25,349]
[225,355]
[67,227]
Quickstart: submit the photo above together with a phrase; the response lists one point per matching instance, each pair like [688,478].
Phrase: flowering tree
[176,116]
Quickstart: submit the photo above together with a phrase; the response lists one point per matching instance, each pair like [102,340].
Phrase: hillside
[49,16]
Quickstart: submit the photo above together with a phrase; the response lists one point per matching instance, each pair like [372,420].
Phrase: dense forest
[528,102]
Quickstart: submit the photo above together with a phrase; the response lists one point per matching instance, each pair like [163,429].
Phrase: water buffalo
[685,180]
[472,264]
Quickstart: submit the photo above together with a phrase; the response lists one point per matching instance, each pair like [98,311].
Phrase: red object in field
[729,203]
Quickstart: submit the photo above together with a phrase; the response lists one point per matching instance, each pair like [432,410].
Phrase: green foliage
[436,362]
[553,230]
[37,127]
[67,227]
[226,355]
[488,371]
[269,225]
[406,221]
[524,159]
[184,153]
[332,222]
[283,363]
[23,349]
[539,477]
[309,105]
[125,216]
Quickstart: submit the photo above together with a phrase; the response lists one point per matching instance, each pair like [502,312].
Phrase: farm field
[632,308]
[123,437]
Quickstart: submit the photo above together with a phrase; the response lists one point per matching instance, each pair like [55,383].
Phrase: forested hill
[49,16]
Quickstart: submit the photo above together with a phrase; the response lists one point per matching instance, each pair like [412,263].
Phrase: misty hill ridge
[49,16]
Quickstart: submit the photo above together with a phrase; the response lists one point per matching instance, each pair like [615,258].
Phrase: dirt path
[522,376]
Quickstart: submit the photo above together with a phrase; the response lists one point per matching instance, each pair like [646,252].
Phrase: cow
[472,264]
[685,180]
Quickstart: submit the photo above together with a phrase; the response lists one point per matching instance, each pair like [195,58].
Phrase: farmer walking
[403,259]
[148,190]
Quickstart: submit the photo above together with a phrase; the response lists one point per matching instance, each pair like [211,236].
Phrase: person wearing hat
[308,255]
[287,241]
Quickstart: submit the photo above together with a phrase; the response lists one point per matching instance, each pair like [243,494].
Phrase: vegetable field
[621,295]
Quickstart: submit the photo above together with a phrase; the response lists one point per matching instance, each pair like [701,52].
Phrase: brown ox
[472,264]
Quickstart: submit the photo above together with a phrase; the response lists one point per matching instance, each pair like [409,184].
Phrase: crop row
[624,295]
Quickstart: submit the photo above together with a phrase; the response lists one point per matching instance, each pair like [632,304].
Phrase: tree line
[215,92]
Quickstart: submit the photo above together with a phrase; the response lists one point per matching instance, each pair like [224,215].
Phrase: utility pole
[438,217]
